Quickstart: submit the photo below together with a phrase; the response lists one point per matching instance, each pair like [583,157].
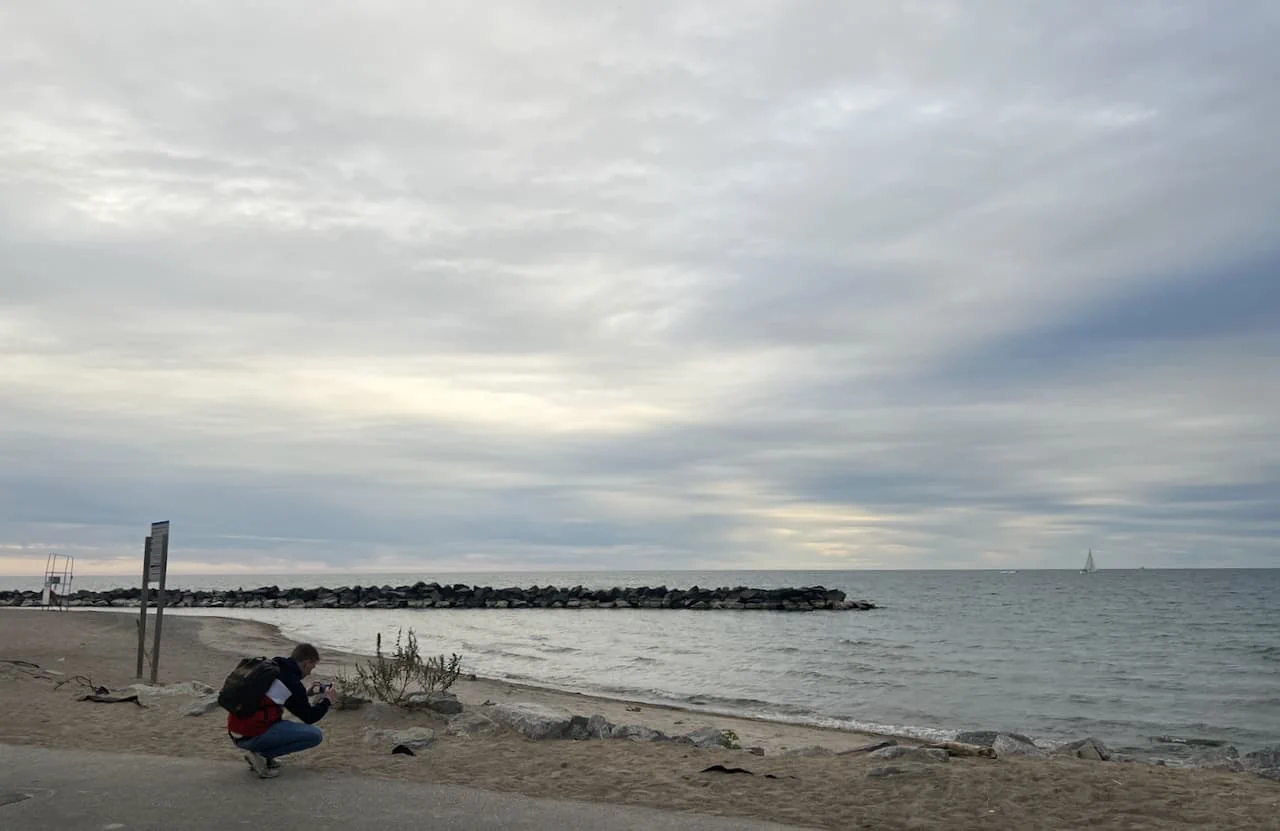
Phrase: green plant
[387,678]
[348,688]
[438,674]
[390,678]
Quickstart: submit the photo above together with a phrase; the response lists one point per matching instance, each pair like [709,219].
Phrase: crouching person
[256,695]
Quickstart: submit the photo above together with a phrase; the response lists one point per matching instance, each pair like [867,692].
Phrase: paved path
[67,790]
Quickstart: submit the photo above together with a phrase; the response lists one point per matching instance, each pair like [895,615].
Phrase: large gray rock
[202,706]
[711,737]
[578,729]
[1267,757]
[537,721]
[987,738]
[1264,762]
[444,703]
[414,738]
[637,733]
[898,753]
[1221,758]
[1008,747]
[1090,748]
[472,724]
[599,727]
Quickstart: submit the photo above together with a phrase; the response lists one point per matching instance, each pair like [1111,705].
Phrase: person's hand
[314,688]
[332,695]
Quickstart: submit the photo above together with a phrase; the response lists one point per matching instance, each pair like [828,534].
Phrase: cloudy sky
[544,285]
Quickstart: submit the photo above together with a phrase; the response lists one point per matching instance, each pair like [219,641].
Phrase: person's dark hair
[305,652]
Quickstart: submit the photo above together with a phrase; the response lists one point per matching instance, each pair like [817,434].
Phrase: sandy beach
[833,791]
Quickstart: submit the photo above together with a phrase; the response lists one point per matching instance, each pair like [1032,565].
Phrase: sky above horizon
[553,285]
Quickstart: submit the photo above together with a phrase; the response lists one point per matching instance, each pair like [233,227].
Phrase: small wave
[737,705]
[864,669]
[848,681]
[786,714]
[935,672]
[712,704]
[818,675]
[910,731]
[503,653]
[1264,702]
[673,650]
[519,677]
[557,650]
[641,659]
[875,644]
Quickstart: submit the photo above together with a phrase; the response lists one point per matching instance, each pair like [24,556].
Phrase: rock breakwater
[459,596]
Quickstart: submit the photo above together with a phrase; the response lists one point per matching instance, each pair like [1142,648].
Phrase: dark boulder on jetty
[987,738]
[435,596]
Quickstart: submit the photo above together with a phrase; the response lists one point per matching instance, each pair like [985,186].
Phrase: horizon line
[649,571]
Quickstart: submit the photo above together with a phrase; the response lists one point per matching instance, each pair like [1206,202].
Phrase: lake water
[1121,655]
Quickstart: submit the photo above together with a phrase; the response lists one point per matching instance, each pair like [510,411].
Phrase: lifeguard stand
[59,571]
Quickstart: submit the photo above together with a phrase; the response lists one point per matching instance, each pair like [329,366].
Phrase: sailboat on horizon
[1089,567]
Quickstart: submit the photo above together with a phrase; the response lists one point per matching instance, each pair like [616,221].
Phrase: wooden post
[160,549]
[142,621]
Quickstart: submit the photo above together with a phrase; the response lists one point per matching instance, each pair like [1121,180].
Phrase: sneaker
[260,765]
[273,764]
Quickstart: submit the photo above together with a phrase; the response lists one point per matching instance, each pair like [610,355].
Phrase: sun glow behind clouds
[556,286]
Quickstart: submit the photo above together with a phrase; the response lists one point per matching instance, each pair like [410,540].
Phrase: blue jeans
[283,738]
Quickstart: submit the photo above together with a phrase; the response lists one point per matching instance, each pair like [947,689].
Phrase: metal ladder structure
[59,571]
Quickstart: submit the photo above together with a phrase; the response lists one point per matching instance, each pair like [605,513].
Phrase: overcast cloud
[640,284]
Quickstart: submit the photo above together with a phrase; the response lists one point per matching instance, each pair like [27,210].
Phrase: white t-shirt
[278,692]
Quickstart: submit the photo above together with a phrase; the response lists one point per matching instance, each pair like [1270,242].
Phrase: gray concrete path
[65,790]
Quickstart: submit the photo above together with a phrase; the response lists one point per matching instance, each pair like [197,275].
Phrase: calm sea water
[1121,655]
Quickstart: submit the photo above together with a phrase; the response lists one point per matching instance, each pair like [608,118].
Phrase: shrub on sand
[391,678]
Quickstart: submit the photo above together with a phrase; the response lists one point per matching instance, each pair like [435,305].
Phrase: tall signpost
[155,568]
[159,569]
[142,622]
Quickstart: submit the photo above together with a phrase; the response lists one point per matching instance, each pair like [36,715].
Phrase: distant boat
[1089,567]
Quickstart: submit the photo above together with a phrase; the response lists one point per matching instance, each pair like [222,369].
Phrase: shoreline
[472,690]
[216,628]
[772,730]
[841,738]
[236,638]
[775,733]
[825,789]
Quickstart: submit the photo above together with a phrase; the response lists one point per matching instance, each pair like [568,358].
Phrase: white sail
[1089,567]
